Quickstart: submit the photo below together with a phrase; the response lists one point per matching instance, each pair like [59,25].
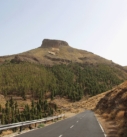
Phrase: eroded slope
[113,106]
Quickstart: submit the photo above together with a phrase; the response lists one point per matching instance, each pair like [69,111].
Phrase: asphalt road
[82,125]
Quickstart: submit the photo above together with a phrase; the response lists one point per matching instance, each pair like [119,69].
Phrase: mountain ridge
[53,52]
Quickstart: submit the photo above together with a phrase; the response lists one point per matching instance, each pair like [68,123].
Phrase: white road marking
[72,126]
[77,121]
[105,135]
[101,128]
[60,135]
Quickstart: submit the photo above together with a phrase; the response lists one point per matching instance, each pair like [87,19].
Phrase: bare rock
[16,59]
[48,43]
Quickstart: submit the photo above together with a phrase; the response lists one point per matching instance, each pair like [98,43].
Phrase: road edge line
[101,127]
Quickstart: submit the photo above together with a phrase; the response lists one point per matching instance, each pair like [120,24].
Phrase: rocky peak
[48,43]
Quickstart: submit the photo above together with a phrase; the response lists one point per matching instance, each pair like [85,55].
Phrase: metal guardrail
[21,124]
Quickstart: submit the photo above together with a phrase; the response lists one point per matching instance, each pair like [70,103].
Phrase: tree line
[11,113]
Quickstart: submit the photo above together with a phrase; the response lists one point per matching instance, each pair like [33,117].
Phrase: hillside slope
[56,52]
[114,107]
[59,74]
[73,80]
[55,68]
[125,67]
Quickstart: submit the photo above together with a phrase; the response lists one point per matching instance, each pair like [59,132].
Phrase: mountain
[56,52]
[57,68]
[125,67]
[114,107]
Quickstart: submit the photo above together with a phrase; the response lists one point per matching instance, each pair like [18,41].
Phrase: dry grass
[115,104]
[4,133]
[110,127]
[120,115]
[2,100]
[105,115]
[75,107]
[112,115]
[65,52]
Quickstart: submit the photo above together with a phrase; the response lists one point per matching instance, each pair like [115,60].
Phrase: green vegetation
[12,114]
[41,125]
[77,80]
[72,81]
[25,78]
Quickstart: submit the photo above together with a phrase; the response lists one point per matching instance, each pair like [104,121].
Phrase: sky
[98,26]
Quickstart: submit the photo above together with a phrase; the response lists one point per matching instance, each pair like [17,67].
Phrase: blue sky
[98,26]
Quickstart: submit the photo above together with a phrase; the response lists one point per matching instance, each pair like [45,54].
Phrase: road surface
[82,125]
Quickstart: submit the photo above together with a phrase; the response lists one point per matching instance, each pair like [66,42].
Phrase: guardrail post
[53,120]
[35,124]
[21,129]
[57,118]
[30,127]
[14,129]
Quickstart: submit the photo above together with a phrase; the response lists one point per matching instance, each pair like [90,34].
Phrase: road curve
[82,125]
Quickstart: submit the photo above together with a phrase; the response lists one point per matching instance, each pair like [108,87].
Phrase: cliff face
[48,43]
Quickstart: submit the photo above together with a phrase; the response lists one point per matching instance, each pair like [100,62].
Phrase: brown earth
[113,106]
[75,107]
[125,67]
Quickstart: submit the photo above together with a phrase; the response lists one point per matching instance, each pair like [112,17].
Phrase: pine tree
[3,119]
[11,102]
[32,104]
[16,105]
[0,108]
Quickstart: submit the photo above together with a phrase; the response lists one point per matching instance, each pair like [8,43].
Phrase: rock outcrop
[48,43]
